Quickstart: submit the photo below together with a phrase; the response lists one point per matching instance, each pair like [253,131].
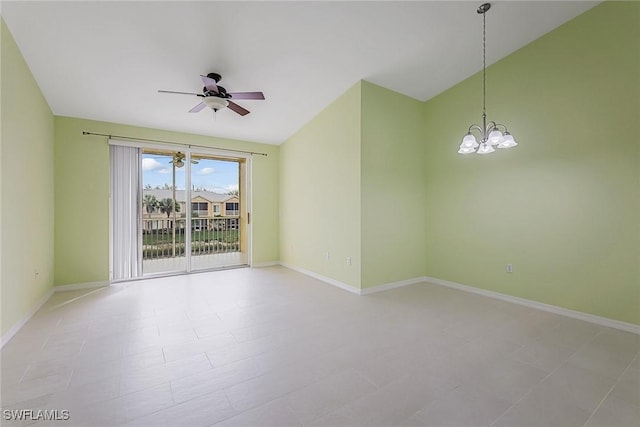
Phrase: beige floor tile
[216,379]
[87,372]
[543,355]
[135,405]
[36,370]
[328,394]
[576,386]
[273,347]
[570,333]
[463,406]
[272,385]
[504,378]
[88,394]
[540,409]
[141,379]
[34,388]
[628,387]
[615,412]
[272,414]
[601,360]
[390,404]
[203,411]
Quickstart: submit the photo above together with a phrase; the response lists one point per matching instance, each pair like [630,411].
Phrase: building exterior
[204,204]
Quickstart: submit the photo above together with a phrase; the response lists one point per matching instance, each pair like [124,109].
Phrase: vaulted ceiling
[105,60]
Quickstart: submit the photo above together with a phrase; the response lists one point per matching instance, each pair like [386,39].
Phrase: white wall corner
[328,280]
[79,286]
[18,325]
[265,264]
[602,321]
[392,285]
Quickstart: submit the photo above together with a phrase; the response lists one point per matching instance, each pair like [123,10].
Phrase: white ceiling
[106,60]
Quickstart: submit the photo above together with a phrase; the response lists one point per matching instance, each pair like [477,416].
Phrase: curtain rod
[173,143]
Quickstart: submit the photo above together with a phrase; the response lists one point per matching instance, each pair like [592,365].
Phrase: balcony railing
[208,236]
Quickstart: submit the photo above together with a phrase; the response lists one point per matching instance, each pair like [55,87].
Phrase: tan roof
[180,195]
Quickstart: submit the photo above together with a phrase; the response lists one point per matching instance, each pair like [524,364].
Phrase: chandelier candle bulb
[495,137]
[507,141]
[469,141]
[490,134]
[485,149]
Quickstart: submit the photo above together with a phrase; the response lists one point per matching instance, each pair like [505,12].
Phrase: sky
[213,175]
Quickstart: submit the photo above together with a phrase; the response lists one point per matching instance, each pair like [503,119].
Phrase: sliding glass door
[218,212]
[164,230]
[194,211]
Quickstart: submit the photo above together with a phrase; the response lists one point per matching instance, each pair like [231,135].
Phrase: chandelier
[491,134]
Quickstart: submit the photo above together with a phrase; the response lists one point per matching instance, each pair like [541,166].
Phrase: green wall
[26,187]
[320,193]
[564,206]
[392,189]
[352,185]
[82,195]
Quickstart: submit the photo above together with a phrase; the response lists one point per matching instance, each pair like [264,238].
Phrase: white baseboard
[603,321]
[349,288]
[79,286]
[392,285]
[328,280]
[18,325]
[265,264]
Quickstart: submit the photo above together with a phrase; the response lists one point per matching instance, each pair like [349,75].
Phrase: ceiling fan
[216,97]
[178,160]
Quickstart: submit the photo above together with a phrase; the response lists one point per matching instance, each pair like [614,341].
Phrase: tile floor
[198,262]
[270,346]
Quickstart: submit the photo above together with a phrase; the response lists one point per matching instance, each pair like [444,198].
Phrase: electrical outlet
[328,255]
[509,268]
[349,260]
[35,274]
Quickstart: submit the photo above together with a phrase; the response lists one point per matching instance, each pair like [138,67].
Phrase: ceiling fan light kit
[216,97]
[215,103]
[491,134]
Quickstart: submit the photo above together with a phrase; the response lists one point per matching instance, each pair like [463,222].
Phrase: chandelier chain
[484,63]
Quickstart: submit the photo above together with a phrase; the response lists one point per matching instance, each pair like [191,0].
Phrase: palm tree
[150,203]
[166,206]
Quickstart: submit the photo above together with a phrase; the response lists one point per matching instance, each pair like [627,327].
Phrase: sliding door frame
[244,161]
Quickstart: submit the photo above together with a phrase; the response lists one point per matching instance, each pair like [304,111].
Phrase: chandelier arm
[476,127]
[500,125]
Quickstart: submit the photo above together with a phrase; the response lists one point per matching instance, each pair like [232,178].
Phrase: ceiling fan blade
[210,84]
[238,109]
[197,108]
[247,95]
[180,93]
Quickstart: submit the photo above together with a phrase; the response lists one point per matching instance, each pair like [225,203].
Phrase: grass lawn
[227,236]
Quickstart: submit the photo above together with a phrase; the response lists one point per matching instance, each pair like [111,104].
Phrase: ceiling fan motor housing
[215,76]
[222,92]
